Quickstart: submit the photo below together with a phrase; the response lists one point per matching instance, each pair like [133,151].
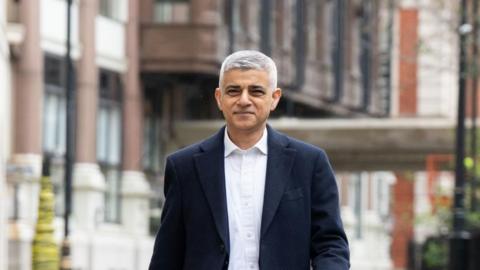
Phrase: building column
[403,215]
[88,181]
[26,160]
[135,188]
[407,61]
[5,100]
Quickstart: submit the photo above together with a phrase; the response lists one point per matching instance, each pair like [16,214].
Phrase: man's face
[246,99]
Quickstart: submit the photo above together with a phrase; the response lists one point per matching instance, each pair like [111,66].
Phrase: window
[54,124]
[109,130]
[111,9]
[171,11]
[313,28]
[153,165]
[365,46]
[330,32]
[356,201]
[151,141]
[54,111]
[57,176]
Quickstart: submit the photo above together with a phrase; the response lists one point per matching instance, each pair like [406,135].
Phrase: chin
[245,126]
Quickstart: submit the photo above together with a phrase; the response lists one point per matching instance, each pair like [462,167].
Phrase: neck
[245,139]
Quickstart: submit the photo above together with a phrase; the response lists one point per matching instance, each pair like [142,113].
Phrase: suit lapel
[211,172]
[279,163]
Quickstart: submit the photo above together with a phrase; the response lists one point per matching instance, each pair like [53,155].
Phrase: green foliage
[473,220]
[435,255]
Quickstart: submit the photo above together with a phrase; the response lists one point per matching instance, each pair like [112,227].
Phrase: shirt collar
[261,145]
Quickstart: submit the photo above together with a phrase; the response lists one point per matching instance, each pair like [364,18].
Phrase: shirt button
[252,266]
[249,235]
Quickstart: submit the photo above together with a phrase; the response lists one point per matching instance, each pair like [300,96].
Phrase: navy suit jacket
[300,227]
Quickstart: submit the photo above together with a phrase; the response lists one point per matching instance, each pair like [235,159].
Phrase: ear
[276,95]
[218,97]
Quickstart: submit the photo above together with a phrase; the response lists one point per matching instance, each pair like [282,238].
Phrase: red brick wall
[403,214]
[408,35]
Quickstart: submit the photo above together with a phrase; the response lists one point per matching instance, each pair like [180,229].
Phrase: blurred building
[334,60]
[369,81]
[108,173]
[5,93]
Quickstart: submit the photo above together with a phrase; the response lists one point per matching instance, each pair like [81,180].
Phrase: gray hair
[250,59]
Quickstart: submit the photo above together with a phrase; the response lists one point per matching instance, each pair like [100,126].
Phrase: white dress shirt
[245,172]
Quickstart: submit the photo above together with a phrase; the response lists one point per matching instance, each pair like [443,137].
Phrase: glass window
[109,130]
[313,25]
[153,159]
[12,205]
[151,141]
[54,123]
[365,46]
[330,30]
[57,177]
[355,201]
[171,11]
[54,111]
[110,9]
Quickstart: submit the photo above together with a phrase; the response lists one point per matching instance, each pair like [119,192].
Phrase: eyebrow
[236,86]
[232,86]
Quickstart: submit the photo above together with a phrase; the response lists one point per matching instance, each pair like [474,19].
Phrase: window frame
[111,9]
[110,99]
[57,89]
[168,16]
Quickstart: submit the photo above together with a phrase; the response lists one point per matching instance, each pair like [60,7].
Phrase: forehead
[245,76]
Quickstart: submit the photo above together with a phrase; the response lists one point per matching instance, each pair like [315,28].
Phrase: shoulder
[184,153]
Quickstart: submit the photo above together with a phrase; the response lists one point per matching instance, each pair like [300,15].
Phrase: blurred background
[374,82]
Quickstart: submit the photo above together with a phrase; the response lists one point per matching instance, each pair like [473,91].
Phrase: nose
[244,99]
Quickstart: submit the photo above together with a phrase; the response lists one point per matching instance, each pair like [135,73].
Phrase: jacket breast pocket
[293,194]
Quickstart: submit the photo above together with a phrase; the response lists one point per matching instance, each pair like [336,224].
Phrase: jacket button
[222,248]
[226,263]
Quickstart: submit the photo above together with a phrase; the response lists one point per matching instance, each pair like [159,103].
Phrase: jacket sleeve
[169,248]
[329,245]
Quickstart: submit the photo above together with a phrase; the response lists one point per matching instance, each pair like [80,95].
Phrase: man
[250,197]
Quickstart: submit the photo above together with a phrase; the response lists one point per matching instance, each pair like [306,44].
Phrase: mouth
[243,113]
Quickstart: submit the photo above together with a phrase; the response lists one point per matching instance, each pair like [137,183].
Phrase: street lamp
[459,238]
[473,179]
[65,263]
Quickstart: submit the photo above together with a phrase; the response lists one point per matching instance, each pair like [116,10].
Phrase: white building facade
[5,93]
[110,216]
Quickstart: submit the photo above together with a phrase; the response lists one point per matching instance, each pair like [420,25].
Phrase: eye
[257,92]
[233,92]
